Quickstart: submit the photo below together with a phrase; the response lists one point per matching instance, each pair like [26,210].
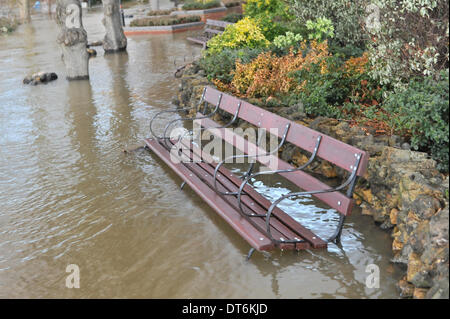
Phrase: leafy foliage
[288,40]
[201,4]
[244,33]
[345,15]
[320,29]
[422,111]
[161,12]
[220,66]
[233,17]
[409,38]
[163,21]
[270,75]
[271,16]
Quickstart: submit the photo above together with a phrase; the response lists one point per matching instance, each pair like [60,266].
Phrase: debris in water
[40,77]
[92,53]
[95,44]
[135,148]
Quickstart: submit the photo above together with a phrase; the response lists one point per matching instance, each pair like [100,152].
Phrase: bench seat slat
[252,235]
[200,40]
[205,171]
[213,31]
[258,222]
[279,216]
[217,23]
[336,200]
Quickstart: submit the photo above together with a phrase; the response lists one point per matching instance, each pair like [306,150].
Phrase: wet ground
[69,195]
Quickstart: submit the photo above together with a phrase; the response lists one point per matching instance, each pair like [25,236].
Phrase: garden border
[163,29]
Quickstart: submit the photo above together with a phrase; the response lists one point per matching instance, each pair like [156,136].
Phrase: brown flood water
[69,195]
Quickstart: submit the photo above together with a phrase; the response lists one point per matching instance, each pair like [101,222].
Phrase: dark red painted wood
[336,200]
[332,150]
[223,208]
[279,218]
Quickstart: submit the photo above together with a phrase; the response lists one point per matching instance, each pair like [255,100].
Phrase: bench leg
[249,171]
[336,238]
[250,253]
[339,232]
[182,185]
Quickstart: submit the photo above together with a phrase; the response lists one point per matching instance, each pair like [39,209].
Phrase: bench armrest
[300,168]
[351,180]
[163,112]
[247,156]
[165,137]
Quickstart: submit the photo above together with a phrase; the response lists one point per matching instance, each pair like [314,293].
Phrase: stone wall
[402,190]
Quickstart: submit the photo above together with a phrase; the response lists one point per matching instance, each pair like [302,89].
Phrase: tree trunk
[154,5]
[25,10]
[115,39]
[72,39]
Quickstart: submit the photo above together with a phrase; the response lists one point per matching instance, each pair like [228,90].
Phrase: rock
[288,153]
[393,216]
[95,44]
[419,237]
[41,77]
[367,195]
[439,228]
[422,279]
[397,245]
[406,289]
[440,288]
[419,293]
[92,53]
[406,146]
[327,170]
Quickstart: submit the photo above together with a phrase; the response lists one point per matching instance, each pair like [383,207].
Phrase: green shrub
[161,12]
[272,16]
[244,33]
[287,41]
[320,29]
[410,38]
[336,87]
[201,4]
[233,17]
[232,4]
[422,111]
[345,15]
[221,65]
[164,21]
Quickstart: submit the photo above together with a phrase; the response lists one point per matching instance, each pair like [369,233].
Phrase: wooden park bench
[260,222]
[212,28]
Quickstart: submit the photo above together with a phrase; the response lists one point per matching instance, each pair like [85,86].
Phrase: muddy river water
[69,195]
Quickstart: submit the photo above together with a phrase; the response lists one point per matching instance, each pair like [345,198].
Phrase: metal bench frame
[212,28]
[319,145]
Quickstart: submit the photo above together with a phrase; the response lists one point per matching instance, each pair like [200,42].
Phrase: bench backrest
[330,149]
[217,23]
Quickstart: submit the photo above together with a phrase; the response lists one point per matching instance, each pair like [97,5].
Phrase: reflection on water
[69,195]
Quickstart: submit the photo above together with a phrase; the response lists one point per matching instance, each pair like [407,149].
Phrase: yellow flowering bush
[272,16]
[244,33]
[270,75]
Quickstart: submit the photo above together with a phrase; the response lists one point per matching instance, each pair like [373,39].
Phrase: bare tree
[25,15]
[154,4]
[72,39]
[115,39]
